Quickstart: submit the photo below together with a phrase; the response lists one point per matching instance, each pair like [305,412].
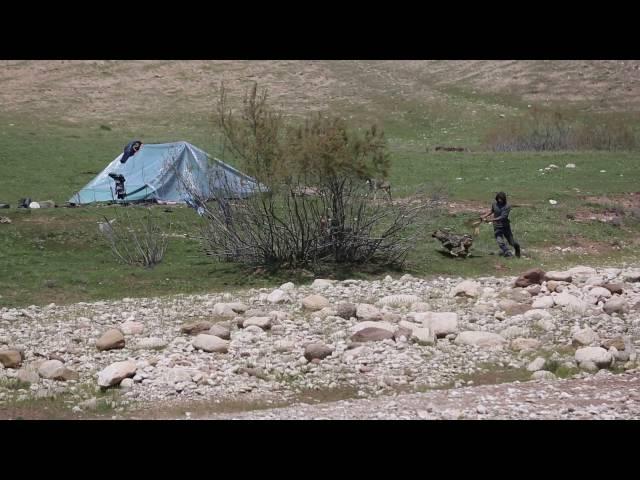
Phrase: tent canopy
[160,171]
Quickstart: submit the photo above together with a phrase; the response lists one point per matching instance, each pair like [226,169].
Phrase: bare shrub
[138,242]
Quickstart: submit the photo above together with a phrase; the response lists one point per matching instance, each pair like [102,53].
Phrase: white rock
[467,288]
[210,343]
[546,324]
[315,302]
[570,302]
[223,310]
[537,364]
[558,276]
[278,296]
[150,343]
[585,336]
[481,339]
[570,165]
[321,284]
[440,323]
[287,287]
[132,328]
[537,314]
[523,344]
[366,311]
[126,384]
[51,369]
[598,355]
[543,375]
[598,293]
[420,307]
[615,304]
[262,322]
[116,372]
[423,336]
[545,301]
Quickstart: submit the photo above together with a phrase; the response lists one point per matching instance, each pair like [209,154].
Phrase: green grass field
[57,255]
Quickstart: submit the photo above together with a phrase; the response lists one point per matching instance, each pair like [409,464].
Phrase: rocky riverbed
[355,341]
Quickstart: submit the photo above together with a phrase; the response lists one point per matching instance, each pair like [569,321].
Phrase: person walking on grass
[501,226]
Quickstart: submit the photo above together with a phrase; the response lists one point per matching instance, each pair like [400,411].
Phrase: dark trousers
[504,235]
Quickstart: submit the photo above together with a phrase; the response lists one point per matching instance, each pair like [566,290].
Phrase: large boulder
[321,284]
[480,339]
[116,372]
[369,324]
[366,311]
[598,355]
[346,310]
[467,288]
[570,302]
[558,276]
[262,322]
[585,336]
[530,277]
[193,328]
[580,274]
[211,343]
[317,351]
[278,296]
[615,304]
[220,331]
[544,301]
[224,310]
[315,302]
[523,344]
[132,328]
[422,336]
[371,334]
[10,358]
[110,340]
[440,323]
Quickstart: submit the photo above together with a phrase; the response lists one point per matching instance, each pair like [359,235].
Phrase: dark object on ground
[456,245]
[530,277]
[450,149]
[5,205]
[24,202]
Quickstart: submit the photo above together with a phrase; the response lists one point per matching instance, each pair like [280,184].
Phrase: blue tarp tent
[160,171]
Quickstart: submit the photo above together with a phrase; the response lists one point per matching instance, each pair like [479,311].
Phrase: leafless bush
[138,242]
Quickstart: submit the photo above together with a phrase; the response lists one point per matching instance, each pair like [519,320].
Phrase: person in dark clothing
[501,225]
[130,150]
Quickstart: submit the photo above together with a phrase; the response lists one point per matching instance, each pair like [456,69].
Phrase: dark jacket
[501,214]
[129,151]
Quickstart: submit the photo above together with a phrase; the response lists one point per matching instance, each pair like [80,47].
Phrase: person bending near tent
[500,210]
[130,150]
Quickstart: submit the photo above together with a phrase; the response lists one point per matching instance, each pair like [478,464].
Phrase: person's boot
[517,247]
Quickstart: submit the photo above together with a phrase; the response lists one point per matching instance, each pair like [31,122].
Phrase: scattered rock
[315,302]
[530,277]
[28,375]
[369,324]
[371,334]
[598,355]
[150,343]
[194,328]
[223,310]
[398,300]
[278,296]
[132,328]
[116,372]
[615,288]
[533,289]
[440,323]
[55,370]
[537,364]
[585,336]
[480,339]
[617,342]
[126,384]
[10,358]
[545,301]
[262,322]
[211,343]
[366,311]
[346,310]
[615,304]
[523,344]
[543,375]
[321,284]
[467,288]
[559,276]
[110,340]
[423,336]
[220,331]
[317,351]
